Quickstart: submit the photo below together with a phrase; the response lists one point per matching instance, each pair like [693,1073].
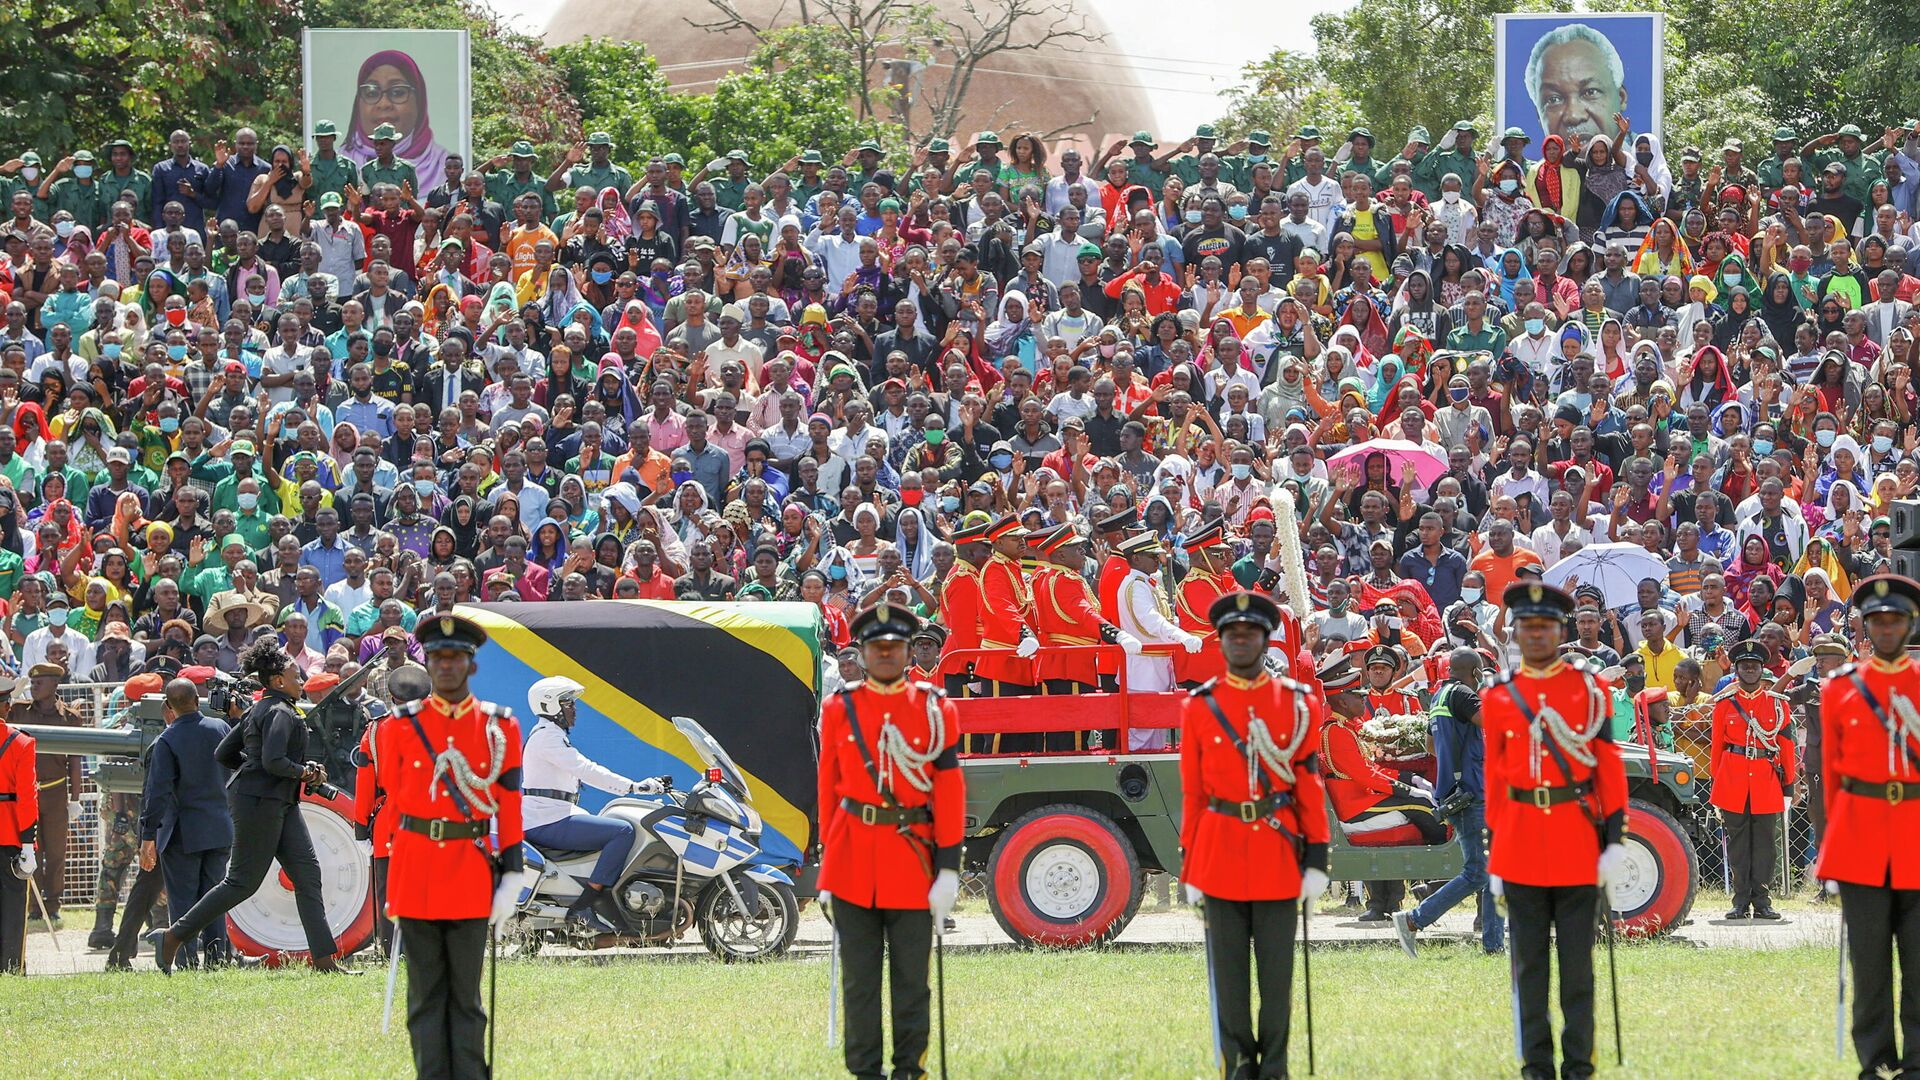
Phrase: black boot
[102,935]
[582,907]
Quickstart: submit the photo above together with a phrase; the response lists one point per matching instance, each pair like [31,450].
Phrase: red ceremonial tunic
[1224,856]
[1198,591]
[1065,613]
[1743,783]
[1112,573]
[444,879]
[1356,784]
[1869,841]
[961,603]
[370,804]
[874,865]
[20,790]
[1005,609]
[1392,702]
[1558,844]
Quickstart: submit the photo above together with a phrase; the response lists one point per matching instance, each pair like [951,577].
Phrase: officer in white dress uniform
[1145,613]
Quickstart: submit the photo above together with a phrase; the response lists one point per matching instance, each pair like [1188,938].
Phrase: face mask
[936,436]
[1472,595]
[1636,683]
[57,616]
[424,487]
[601,277]
[837,573]
[1825,436]
[1450,197]
[1193,217]
[257,299]
[1763,447]
[1337,609]
[949,504]
[170,424]
[1107,351]
[383,348]
[111,350]
[30,172]
[1236,212]
[1536,326]
[1255,159]
[1508,187]
[83,172]
[177,317]
[1001,461]
[247,500]
[64,228]
[912,496]
[1241,472]
[1460,395]
[1644,157]
[177,352]
[682,476]
[1882,443]
[1800,266]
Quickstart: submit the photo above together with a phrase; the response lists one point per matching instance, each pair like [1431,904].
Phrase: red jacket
[1868,841]
[1356,784]
[1743,783]
[19,790]
[446,879]
[1224,856]
[1004,612]
[369,799]
[874,865]
[961,602]
[1112,573]
[1557,844]
[1198,591]
[1065,613]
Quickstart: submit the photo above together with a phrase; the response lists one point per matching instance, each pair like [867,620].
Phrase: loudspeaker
[1905,517]
[1906,561]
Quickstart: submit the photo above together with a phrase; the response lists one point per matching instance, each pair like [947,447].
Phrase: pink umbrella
[1427,465]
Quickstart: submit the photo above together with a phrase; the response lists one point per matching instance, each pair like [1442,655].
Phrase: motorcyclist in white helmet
[551,774]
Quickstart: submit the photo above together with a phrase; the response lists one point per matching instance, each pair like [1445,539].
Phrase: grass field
[1127,1012]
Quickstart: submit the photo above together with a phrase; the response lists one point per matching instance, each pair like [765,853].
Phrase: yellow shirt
[1363,229]
[1659,665]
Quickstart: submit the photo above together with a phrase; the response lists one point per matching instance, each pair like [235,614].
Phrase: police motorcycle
[692,865]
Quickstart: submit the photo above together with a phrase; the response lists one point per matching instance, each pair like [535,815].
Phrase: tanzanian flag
[748,673]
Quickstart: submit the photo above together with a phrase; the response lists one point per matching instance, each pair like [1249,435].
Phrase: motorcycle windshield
[712,755]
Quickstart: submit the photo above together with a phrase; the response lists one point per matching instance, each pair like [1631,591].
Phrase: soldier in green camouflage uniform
[118,850]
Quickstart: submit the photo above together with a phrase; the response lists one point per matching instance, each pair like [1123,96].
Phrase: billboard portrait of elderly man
[1577,81]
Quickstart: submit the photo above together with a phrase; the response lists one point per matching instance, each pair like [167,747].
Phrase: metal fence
[98,704]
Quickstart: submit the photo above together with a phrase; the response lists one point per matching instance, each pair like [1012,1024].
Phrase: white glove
[27,862]
[940,898]
[649,786]
[506,899]
[825,900]
[1313,885]
[1193,894]
[717,165]
[1127,642]
[1421,783]
[1613,863]
[73,809]
[1495,885]
[1191,643]
[1832,886]
[1027,647]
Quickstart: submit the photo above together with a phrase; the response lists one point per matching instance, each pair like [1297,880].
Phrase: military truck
[1065,839]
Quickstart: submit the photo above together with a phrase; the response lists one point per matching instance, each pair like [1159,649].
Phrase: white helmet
[548,697]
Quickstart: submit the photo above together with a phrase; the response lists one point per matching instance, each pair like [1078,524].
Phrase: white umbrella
[1616,569]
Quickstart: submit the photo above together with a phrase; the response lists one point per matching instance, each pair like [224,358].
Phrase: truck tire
[1663,873]
[265,925]
[1063,877]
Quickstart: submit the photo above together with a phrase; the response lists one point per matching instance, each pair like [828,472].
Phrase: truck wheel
[1662,873]
[1063,877]
[266,924]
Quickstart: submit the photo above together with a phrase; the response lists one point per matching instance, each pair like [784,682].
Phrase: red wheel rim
[1066,846]
[258,927]
[1654,906]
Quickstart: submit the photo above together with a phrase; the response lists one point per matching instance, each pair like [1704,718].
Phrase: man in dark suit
[441,385]
[184,825]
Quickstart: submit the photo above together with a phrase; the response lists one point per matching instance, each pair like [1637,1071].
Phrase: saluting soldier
[1143,611]
[1006,615]
[892,817]
[962,603]
[1207,580]
[450,766]
[1253,830]
[1754,766]
[1556,803]
[1870,852]
[19,822]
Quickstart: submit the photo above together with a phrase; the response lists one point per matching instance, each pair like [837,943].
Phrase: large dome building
[1048,88]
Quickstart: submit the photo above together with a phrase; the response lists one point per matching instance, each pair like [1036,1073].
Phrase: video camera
[227,694]
[1456,802]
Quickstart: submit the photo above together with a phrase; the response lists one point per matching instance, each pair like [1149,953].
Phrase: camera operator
[1459,781]
[267,752]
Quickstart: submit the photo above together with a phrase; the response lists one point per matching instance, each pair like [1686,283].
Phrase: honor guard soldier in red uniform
[1754,766]
[1207,580]
[1253,831]
[1005,613]
[371,821]
[19,818]
[892,817]
[1066,613]
[1870,852]
[1111,530]
[963,606]
[1386,663]
[450,766]
[925,650]
[1556,804]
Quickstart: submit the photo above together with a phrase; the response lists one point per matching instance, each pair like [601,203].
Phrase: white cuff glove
[27,862]
[1421,783]
[73,809]
[825,900]
[717,165]
[1128,643]
[1027,647]
[649,786]
[1832,886]
[1313,885]
[1191,643]
[1193,894]
[1495,885]
[940,898]
[1613,863]
[506,898]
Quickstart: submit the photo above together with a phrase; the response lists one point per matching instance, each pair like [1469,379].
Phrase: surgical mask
[57,616]
[1107,351]
[30,172]
[1882,443]
[1255,159]
[424,487]
[1242,471]
[912,496]
[1472,595]
[1193,217]
[1509,186]
[64,228]
[170,424]
[177,352]
[936,436]
[1763,447]
[1001,461]
[601,277]
[1450,197]
[1536,326]
[1459,393]
[837,572]
[111,350]
[257,299]
[949,504]
[83,172]
[1236,212]
[681,476]
[247,500]
[1825,436]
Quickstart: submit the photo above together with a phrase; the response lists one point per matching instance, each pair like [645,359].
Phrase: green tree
[1283,92]
[1408,62]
